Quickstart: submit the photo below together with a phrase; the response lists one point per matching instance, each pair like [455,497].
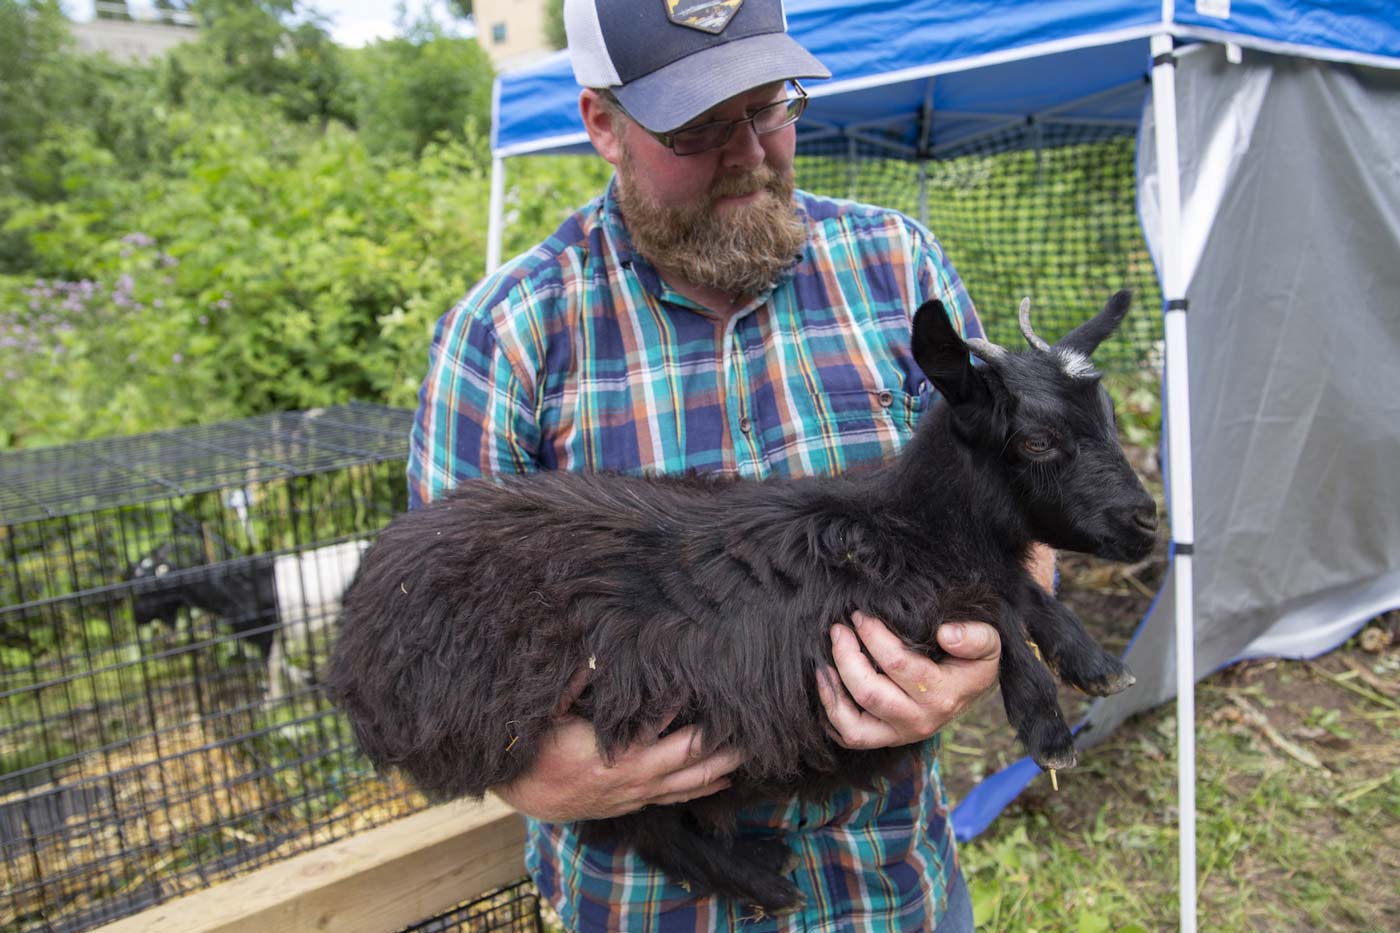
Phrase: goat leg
[1028,693]
[667,837]
[1070,650]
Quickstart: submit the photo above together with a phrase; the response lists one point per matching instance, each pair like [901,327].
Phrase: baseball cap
[668,61]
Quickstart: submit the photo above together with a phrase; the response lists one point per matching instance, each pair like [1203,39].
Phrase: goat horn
[1024,315]
[987,351]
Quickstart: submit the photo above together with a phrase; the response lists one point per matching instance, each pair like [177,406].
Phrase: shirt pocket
[845,428]
[857,411]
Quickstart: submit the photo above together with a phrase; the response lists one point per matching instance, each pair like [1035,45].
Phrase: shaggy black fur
[716,596]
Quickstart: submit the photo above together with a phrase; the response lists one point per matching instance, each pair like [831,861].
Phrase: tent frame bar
[1053,116]
[898,149]
[937,152]
[926,116]
[1094,98]
[495,220]
[1178,479]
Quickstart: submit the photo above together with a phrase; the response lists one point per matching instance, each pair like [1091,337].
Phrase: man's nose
[744,149]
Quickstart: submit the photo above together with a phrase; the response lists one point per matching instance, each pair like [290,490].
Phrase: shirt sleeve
[476,417]
[938,279]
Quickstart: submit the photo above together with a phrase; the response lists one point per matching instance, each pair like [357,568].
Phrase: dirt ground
[1328,726]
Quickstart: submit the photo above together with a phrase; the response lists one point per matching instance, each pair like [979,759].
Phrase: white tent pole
[495,220]
[1178,464]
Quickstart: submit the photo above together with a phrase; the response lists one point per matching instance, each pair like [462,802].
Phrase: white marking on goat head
[1075,364]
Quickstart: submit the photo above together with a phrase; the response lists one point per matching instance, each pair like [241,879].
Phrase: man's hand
[910,697]
[570,780]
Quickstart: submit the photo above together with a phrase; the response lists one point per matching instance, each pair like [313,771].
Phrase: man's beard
[740,251]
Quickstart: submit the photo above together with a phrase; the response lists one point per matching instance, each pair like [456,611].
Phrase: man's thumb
[971,641]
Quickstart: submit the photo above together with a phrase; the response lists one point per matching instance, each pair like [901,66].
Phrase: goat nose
[1145,517]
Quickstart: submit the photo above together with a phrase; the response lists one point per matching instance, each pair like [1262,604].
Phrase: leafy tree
[554,32]
[252,45]
[45,98]
[427,86]
[34,82]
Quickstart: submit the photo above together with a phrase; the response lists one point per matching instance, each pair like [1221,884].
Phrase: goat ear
[943,356]
[1086,338]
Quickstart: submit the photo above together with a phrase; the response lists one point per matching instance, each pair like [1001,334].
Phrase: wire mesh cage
[166,601]
[514,908]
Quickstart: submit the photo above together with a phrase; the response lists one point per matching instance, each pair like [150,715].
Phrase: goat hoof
[1102,678]
[1107,685]
[1054,750]
[778,902]
[1121,682]
[1057,761]
[759,912]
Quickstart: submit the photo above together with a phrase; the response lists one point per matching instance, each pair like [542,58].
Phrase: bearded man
[702,314]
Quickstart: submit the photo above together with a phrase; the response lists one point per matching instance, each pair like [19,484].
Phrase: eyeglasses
[693,140]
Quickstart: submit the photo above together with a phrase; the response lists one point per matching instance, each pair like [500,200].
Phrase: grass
[1298,812]
[1298,780]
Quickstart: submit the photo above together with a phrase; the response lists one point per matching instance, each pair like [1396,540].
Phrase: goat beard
[740,251]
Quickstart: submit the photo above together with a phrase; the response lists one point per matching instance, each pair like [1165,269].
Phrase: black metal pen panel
[166,603]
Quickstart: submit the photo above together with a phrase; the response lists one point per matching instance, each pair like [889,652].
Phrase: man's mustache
[763,178]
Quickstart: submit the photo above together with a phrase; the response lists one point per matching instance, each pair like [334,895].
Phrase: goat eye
[1037,446]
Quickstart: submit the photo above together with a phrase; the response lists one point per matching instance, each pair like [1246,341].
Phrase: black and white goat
[265,599]
[715,597]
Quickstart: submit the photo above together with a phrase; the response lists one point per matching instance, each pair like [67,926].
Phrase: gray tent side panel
[1294,349]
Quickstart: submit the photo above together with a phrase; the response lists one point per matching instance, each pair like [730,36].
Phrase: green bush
[264,221]
[266,273]
[260,221]
[410,92]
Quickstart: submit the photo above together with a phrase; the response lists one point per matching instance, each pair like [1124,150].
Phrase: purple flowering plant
[115,345]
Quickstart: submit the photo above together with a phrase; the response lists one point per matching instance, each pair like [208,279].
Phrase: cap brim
[673,96]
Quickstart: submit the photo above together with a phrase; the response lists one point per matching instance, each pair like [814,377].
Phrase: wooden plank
[376,882]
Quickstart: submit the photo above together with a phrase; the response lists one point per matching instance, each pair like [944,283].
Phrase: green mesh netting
[1041,210]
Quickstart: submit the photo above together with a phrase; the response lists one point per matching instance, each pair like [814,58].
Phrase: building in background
[133,31]
[511,31]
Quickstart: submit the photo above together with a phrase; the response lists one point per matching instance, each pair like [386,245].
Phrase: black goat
[715,597]
[177,575]
[259,597]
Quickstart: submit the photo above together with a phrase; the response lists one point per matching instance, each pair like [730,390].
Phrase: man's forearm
[1041,564]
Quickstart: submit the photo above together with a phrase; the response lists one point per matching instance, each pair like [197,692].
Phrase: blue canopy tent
[923,78]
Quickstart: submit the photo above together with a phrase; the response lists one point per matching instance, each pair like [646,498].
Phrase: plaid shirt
[577,356]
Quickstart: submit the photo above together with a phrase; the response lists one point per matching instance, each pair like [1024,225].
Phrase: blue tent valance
[928,73]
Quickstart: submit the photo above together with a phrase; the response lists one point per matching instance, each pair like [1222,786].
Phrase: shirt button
[745,425]
[886,398]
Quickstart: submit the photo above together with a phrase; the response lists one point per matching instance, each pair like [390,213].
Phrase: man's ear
[604,129]
[943,356]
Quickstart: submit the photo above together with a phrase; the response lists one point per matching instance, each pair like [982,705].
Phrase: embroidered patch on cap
[706,15]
